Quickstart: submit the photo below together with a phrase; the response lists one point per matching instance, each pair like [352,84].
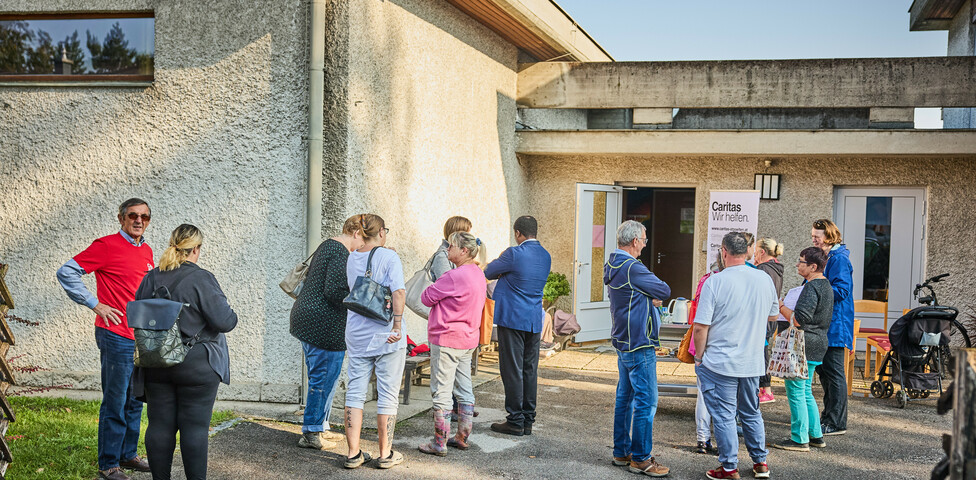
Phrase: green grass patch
[58,438]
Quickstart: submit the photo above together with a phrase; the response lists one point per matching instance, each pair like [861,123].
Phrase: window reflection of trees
[877,248]
[27,51]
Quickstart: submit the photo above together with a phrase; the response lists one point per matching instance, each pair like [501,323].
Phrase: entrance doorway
[883,227]
[669,216]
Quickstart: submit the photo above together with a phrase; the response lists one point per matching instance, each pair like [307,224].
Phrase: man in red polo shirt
[119,261]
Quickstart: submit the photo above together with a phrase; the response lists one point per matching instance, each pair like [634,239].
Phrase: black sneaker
[829,430]
[701,448]
[818,442]
[790,445]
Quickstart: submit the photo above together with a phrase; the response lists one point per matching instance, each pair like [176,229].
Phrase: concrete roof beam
[815,83]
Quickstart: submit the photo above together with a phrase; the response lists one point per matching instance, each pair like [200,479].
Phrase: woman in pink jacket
[456,299]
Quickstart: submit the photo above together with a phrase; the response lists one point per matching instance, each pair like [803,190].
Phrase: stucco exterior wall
[216,141]
[429,121]
[807,194]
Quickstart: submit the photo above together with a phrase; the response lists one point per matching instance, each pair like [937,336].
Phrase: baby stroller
[916,340]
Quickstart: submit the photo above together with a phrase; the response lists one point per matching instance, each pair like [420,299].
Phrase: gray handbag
[368,298]
[295,280]
[416,286]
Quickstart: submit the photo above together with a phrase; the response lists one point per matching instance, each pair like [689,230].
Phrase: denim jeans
[804,413]
[636,404]
[724,398]
[120,413]
[324,367]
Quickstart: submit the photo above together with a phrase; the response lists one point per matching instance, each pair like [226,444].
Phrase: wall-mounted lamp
[768,186]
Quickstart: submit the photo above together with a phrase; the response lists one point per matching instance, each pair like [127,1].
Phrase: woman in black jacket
[181,398]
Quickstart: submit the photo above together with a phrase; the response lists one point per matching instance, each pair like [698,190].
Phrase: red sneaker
[720,474]
[760,470]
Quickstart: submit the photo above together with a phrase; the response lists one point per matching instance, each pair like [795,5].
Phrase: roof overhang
[861,143]
[814,83]
[933,14]
[539,27]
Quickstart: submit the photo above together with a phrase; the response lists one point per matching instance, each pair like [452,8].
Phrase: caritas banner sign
[730,211]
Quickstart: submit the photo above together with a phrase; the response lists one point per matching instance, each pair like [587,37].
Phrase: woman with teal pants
[812,315]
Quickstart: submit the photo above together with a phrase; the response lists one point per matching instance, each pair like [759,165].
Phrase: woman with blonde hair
[440,264]
[765,259]
[318,320]
[840,336]
[372,346]
[181,398]
[456,299]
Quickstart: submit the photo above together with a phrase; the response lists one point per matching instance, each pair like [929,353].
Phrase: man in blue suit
[522,272]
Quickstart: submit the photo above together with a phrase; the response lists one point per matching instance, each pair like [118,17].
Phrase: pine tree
[40,56]
[113,55]
[72,45]
[15,37]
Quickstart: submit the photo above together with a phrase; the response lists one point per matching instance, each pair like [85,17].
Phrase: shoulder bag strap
[369,263]
[171,287]
[196,337]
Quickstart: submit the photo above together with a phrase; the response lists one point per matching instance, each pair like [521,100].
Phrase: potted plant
[556,286]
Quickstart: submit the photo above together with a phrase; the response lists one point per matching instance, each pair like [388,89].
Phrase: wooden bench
[413,374]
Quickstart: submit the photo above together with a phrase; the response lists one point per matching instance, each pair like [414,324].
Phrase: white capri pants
[703,420]
[450,368]
[389,376]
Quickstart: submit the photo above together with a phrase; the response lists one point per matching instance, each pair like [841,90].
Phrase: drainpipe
[316,107]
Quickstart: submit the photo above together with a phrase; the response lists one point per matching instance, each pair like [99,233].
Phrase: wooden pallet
[6,372]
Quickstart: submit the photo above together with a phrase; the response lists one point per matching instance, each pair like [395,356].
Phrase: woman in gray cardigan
[181,398]
[812,314]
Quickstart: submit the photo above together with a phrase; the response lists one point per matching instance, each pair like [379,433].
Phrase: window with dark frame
[116,46]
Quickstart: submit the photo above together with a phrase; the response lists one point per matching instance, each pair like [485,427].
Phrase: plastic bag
[789,358]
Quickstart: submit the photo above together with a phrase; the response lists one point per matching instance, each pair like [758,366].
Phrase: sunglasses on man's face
[135,216]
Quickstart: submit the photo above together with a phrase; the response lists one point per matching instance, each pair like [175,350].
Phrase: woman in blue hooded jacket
[840,335]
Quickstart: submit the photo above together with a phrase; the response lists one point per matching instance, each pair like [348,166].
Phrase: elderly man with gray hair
[633,289]
[730,329]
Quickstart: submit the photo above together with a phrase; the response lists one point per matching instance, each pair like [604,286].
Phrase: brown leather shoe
[114,473]
[649,467]
[135,463]
[621,461]
[507,428]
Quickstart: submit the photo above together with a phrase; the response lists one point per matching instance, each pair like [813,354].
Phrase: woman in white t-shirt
[374,346]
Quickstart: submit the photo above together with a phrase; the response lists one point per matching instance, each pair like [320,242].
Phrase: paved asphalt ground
[572,440]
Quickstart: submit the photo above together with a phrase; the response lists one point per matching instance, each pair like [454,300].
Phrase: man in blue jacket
[634,334]
[840,336]
[522,272]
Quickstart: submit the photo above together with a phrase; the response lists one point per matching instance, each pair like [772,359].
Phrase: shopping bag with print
[788,358]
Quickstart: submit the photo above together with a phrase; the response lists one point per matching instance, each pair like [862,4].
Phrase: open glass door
[598,210]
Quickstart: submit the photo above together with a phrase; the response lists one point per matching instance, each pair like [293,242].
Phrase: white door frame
[593,317]
[904,199]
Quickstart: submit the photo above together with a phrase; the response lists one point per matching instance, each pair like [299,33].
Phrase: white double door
[598,213]
[884,228]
